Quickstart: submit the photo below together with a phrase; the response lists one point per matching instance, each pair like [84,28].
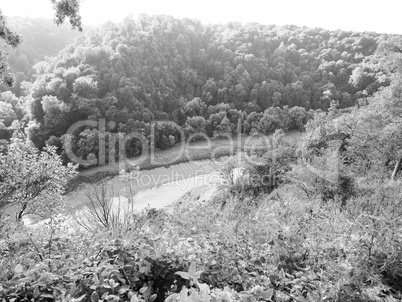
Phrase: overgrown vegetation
[271,248]
[319,220]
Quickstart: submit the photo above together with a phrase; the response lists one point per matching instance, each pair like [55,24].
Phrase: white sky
[384,16]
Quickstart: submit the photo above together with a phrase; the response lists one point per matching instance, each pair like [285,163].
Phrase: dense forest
[316,219]
[202,77]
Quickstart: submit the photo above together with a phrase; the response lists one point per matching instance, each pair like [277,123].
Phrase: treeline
[202,77]
[221,121]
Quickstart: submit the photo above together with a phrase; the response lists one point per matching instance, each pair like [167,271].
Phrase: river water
[165,194]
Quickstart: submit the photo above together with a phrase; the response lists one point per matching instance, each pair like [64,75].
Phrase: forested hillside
[40,38]
[202,77]
[157,62]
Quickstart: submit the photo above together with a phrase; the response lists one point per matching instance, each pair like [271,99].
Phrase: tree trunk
[396,169]
[21,211]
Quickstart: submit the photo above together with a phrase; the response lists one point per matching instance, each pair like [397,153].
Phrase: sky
[381,16]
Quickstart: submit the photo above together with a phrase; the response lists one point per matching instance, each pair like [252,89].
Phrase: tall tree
[30,179]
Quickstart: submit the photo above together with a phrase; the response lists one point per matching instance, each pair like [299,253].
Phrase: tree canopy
[159,68]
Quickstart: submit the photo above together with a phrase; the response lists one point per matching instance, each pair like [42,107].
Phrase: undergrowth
[271,248]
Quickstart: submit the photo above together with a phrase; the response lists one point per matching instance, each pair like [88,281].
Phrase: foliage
[161,68]
[281,248]
[32,181]
[11,39]
[41,38]
[261,168]
[270,162]
[63,8]
[352,157]
[70,9]
[338,242]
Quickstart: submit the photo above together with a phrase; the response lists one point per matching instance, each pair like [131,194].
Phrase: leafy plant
[34,181]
